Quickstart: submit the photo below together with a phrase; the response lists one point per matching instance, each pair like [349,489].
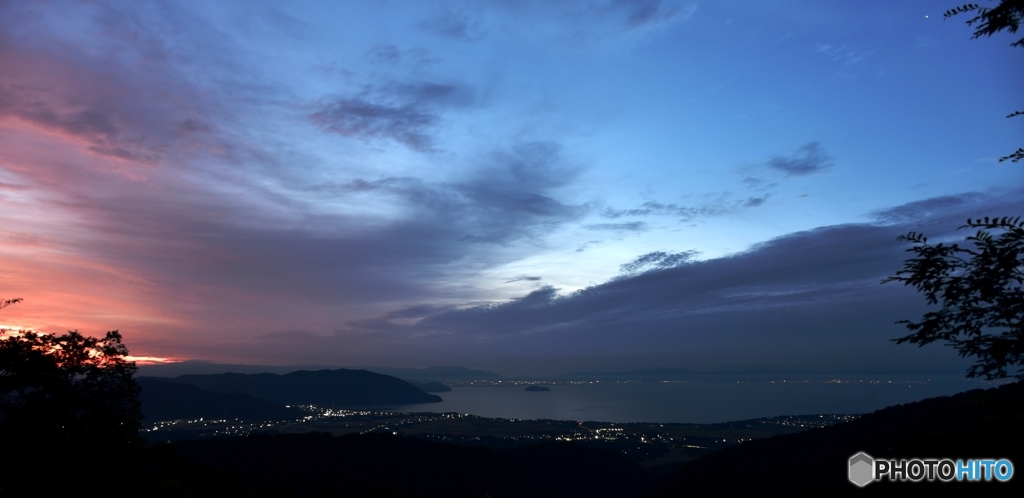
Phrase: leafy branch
[980,291]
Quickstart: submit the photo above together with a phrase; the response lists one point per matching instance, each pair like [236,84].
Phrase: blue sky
[346,182]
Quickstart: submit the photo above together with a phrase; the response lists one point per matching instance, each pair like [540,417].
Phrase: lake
[704,401]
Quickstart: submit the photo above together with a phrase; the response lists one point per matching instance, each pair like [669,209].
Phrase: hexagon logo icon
[862,469]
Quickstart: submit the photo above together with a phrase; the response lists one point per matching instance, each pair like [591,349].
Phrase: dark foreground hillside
[974,424]
[387,465]
[351,466]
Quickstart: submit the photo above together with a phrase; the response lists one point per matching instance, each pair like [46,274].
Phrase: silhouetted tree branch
[7,302]
[1007,15]
[980,291]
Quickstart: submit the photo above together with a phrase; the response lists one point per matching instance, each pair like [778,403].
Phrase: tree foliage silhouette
[1007,15]
[980,291]
[66,399]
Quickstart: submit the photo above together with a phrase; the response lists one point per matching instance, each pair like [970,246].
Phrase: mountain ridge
[166,400]
[334,388]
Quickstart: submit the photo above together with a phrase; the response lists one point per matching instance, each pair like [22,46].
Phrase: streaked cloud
[719,205]
[403,112]
[810,158]
[632,226]
[361,119]
[646,13]
[523,278]
[929,208]
[456,25]
[657,260]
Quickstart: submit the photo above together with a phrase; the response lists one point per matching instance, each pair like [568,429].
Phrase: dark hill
[165,400]
[974,424]
[387,465]
[338,388]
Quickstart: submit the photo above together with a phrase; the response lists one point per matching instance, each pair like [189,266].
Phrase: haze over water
[702,401]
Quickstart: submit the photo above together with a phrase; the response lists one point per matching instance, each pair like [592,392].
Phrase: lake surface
[707,401]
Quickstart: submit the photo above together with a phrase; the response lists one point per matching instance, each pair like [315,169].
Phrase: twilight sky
[530,187]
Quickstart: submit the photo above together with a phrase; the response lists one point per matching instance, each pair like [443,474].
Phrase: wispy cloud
[848,56]
[587,245]
[648,13]
[511,197]
[358,118]
[810,158]
[755,201]
[929,208]
[385,53]
[104,124]
[658,260]
[721,205]
[403,112]
[455,25]
[670,209]
[632,226]
[523,278]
